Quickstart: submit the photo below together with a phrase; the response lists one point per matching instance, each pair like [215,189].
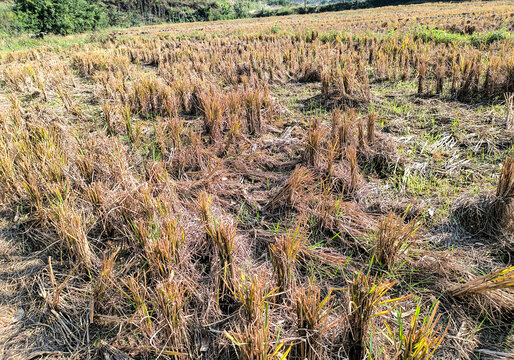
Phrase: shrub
[57,16]
[241,9]
[8,21]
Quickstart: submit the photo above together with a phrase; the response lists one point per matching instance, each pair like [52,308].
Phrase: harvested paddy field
[325,186]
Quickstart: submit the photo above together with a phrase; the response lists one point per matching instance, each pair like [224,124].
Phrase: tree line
[74,16]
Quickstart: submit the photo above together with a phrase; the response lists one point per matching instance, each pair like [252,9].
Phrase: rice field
[325,186]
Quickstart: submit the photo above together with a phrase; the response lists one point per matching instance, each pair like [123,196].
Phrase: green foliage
[446,37]
[311,9]
[241,9]
[8,21]
[489,37]
[117,17]
[58,16]
[438,36]
[279,2]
